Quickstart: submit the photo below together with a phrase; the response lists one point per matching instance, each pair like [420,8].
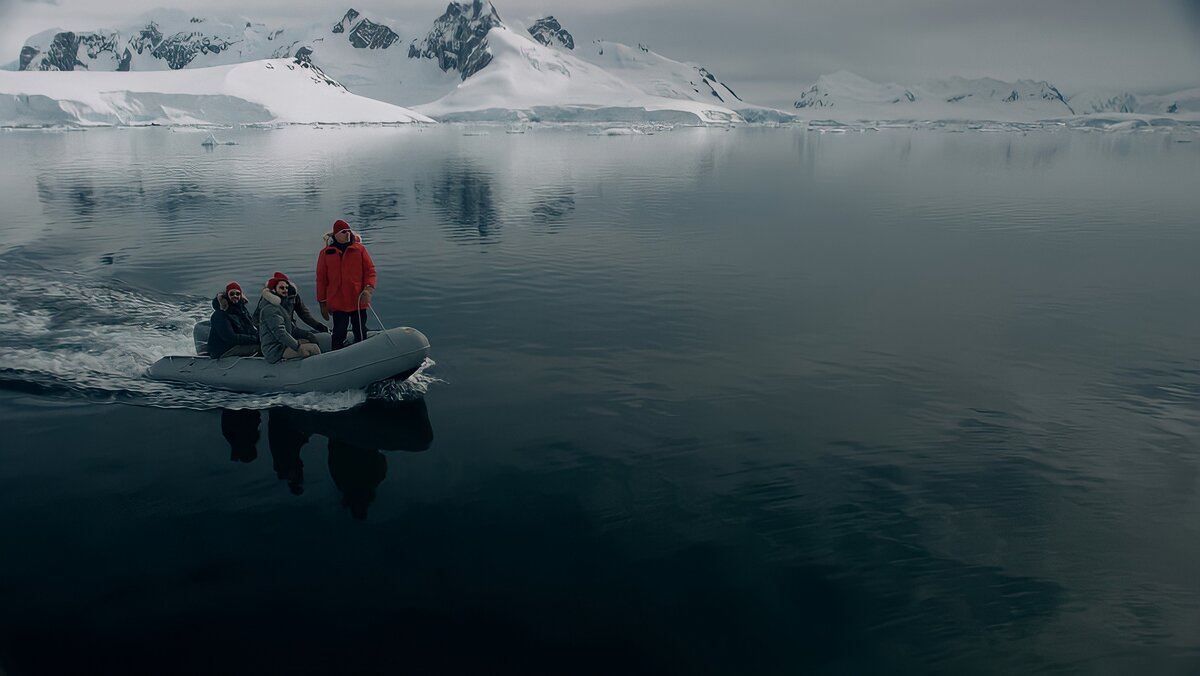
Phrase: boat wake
[72,337]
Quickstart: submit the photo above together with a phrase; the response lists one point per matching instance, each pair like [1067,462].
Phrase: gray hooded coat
[294,304]
[277,329]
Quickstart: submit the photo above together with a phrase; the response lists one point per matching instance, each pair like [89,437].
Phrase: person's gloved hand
[325,310]
[366,295]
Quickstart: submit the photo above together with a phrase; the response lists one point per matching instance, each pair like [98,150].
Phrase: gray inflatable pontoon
[395,353]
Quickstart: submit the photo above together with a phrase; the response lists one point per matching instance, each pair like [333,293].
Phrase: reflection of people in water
[357,472]
[356,438]
[286,440]
[240,429]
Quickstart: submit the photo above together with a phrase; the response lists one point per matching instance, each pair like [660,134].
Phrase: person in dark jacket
[278,335]
[294,304]
[232,332]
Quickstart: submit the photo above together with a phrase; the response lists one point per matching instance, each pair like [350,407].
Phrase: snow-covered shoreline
[268,92]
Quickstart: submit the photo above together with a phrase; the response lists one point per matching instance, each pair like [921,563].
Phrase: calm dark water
[759,401]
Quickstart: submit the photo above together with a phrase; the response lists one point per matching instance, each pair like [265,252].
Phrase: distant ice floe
[212,141]
[1090,123]
[618,131]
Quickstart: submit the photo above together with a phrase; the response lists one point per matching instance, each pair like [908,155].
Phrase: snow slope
[279,91]
[846,97]
[528,80]
[658,75]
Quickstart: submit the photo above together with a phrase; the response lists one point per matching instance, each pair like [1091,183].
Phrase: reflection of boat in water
[386,426]
[392,354]
[356,438]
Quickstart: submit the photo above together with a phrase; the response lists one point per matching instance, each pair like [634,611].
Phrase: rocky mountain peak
[458,39]
[348,19]
[108,50]
[364,33]
[548,31]
[67,51]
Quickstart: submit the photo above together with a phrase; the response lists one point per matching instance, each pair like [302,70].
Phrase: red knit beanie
[340,225]
[233,285]
[279,277]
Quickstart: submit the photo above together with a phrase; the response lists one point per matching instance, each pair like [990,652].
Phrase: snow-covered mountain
[847,97]
[367,56]
[529,76]
[528,80]
[165,39]
[278,91]
[658,75]
[1174,103]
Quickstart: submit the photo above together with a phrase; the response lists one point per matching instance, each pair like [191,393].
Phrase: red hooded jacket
[342,275]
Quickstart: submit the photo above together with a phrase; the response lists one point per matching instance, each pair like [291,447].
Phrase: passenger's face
[343,236]
[281,289]
[235,297]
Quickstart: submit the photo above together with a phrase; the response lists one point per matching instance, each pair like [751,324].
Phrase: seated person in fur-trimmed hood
[278,335]
[232,332]
[297,307]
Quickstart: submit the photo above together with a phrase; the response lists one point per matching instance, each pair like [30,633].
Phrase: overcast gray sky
[770,50]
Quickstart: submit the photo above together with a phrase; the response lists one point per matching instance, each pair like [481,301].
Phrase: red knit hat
[231,286]
[340,225]
[279,277]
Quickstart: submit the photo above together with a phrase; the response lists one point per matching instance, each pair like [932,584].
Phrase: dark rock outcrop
[711,80]
[67,49]
[351,16]
[146,39]
[364,33]
[458,40]
[62,54]
[370,35]
[550,32]
[28,54]
[179,49]
[814,97]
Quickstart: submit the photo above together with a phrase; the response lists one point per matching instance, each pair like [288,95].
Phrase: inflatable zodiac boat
[384,355]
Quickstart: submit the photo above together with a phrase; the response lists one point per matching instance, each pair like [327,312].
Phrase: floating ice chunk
[212,141]
[619,131]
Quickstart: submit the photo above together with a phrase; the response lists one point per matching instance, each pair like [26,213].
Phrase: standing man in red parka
[345,282]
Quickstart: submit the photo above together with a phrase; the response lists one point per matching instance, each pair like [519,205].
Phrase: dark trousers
[356,319]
